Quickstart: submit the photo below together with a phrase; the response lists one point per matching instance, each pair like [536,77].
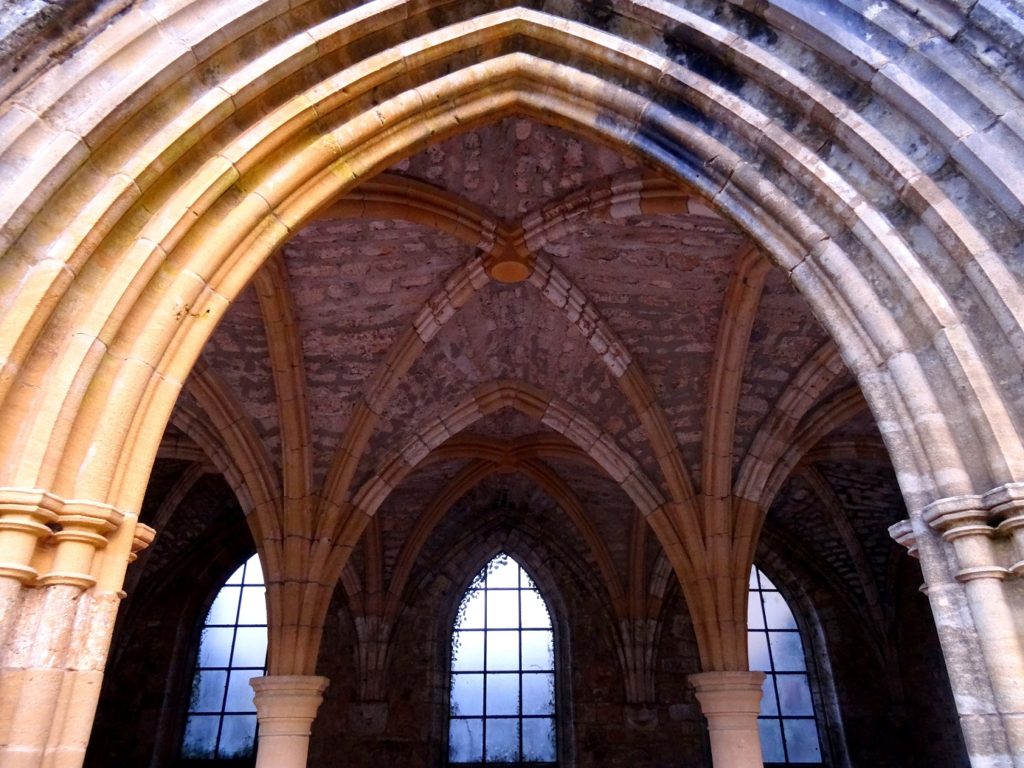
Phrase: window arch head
[787,722]
[502,695]
[221,720]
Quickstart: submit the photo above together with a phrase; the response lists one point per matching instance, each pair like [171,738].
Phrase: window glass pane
[794,695]
[465,741]
[237,736]
[502,739]
[539,694]
[769,706]
[227,659]
[215,647]
[208,691]
[539,739]
[755,619]
[802,741]
[766,583]
[503,649]
[471,612]
[757,650]
[240,693]
[753,578]
[236,577]
[538,651]
[467,695]
[502,681]
[254,606]
[503,694]
[778,613]
[502,608]
[468,651]
[771,741]
[502,572]
[535,612]
[225,607]
[787,651]
[250,647]
[200,736]
[786,721]
[254,571]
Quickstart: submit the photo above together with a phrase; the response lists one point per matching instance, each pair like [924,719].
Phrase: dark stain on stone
[599,13]
[653,139]
[748,24]
[683,110]
[704,63]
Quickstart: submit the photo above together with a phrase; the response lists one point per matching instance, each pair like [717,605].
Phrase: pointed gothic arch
[130,226]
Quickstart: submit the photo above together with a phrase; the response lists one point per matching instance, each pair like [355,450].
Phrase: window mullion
[483,727]
[519,679]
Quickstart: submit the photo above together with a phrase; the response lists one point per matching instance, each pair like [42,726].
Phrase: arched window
[232,649]
[502,706]
[789,731]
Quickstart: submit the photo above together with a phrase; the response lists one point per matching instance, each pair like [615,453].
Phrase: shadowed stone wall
[880,706]
[598,727]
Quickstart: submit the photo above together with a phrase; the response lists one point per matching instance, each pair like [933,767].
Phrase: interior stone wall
[142,708]
[601,728]
[879,711]
[888,704]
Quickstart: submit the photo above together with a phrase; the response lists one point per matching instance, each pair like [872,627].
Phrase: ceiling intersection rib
[284,344]
[616,196]
[739,312]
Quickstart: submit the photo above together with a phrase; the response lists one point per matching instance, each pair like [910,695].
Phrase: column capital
[729,692]
[84,526]
[992,506]
[26,517]
[954,511]
[289,697]
[903,534]
[141,539]
[73,530]
[731,702]
[1006,500]
[985,529]
[286,706]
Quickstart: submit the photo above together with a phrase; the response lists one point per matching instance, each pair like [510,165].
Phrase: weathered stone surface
[338,244]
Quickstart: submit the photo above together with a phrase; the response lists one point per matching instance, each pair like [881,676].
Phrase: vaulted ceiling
[383,317]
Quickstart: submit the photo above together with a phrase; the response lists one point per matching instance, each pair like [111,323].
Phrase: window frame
[562,715]
[195,666]
[809,671]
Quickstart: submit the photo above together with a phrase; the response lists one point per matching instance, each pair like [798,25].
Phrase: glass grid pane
[502,683]
[232,649]
[789,732]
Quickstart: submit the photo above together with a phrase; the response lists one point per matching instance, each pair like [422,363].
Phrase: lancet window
[502,695]
[221,720]
[787,723]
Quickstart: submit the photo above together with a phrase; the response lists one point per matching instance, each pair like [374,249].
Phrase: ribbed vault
[684,246]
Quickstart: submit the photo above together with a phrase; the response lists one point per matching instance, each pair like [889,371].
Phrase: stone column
[57,620]
[971,548]
[286,706]
[731,702]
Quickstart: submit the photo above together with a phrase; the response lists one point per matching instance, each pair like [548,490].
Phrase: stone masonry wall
[408,728]
[882,704]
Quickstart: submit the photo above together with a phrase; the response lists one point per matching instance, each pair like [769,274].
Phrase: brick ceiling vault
[172,203]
